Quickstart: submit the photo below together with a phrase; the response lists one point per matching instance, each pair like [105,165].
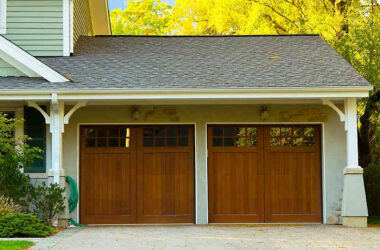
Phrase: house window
[111,137]
[171,136]
[3,16]
[35,129]
[292,137]
[234,136]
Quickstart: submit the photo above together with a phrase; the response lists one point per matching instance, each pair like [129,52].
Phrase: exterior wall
[333,138]
[36,26]
[82,19]
[8,70]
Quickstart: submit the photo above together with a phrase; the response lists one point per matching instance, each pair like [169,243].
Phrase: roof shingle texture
[197,62]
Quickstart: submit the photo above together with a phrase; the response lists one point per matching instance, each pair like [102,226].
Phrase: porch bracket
[43,112]
[342,116]
[72,111]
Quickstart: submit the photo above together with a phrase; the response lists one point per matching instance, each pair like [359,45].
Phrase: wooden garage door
[264,174]
[132,174]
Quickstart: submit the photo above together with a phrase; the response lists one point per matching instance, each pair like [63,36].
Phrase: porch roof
[212,62]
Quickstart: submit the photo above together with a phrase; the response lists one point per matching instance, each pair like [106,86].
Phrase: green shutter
[35,128]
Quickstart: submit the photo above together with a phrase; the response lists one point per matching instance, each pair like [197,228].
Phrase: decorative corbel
[72,110]
[43,112]
[342,116]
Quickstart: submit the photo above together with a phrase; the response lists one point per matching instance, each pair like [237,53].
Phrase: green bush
[7,206]
[23,225]
[47,201]
[372,188]
[14,155]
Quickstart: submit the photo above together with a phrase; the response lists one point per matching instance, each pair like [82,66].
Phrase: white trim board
[26,63]
[189,94]
[3,16]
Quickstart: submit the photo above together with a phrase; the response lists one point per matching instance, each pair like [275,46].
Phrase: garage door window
[166,137]
[292,137]
[234,136]
[107,137]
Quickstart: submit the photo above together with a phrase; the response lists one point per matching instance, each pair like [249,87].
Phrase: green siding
[82,19]
[36,26]
[8,70]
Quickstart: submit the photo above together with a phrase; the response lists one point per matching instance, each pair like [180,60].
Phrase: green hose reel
[73,199]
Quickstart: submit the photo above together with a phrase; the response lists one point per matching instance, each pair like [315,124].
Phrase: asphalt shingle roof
[197,62]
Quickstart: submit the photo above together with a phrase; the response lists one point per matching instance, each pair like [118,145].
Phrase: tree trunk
[364,130]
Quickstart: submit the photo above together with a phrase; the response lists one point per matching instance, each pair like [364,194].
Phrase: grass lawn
[15,244]
[374,220]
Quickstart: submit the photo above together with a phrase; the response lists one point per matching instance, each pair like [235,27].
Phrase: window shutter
[35,128]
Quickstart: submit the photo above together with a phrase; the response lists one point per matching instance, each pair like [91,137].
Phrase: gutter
[188,90]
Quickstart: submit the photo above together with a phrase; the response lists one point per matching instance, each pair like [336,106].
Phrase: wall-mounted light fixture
[264,114]
[135,113]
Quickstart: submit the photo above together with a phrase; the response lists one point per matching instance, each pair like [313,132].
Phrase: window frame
[3,16]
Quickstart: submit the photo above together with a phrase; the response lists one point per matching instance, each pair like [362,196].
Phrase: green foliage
[15,244]
[14,154]
[372,188]
[48,201]
[23,225]
[374,220]
[352,27]
[7,206]
[141,17]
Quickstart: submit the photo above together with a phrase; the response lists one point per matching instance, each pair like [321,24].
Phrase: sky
[119,4]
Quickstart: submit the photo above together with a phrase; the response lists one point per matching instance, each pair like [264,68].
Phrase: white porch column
[56,130]
[354,205]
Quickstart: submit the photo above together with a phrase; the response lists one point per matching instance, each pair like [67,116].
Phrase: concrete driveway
[213,237]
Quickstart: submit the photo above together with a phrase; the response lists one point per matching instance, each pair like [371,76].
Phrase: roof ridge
[206,36]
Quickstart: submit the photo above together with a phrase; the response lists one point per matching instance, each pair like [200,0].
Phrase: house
[245,129]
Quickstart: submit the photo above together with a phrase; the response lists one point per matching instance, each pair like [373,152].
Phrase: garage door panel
[165,189]
[137,175]
[105,198]
[235,175]
[230,167]
[166,175]
[293,174]
[275,179]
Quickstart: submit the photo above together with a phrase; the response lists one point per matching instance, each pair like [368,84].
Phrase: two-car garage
[146,174]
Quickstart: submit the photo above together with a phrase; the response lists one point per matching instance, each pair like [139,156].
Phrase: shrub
[372,186]
[15,154]
[7,206]
[48,201]
[23,225]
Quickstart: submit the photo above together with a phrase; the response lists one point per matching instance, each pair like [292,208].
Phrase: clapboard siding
[82,19]
[8,70]
[36,26]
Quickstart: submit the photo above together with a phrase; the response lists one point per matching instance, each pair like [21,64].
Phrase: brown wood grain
[264,183]
[136,184]
[235,182]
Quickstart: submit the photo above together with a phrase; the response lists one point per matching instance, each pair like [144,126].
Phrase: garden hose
[73,199]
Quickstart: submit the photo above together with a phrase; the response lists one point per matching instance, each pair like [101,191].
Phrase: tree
[141,17]
[352,27]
